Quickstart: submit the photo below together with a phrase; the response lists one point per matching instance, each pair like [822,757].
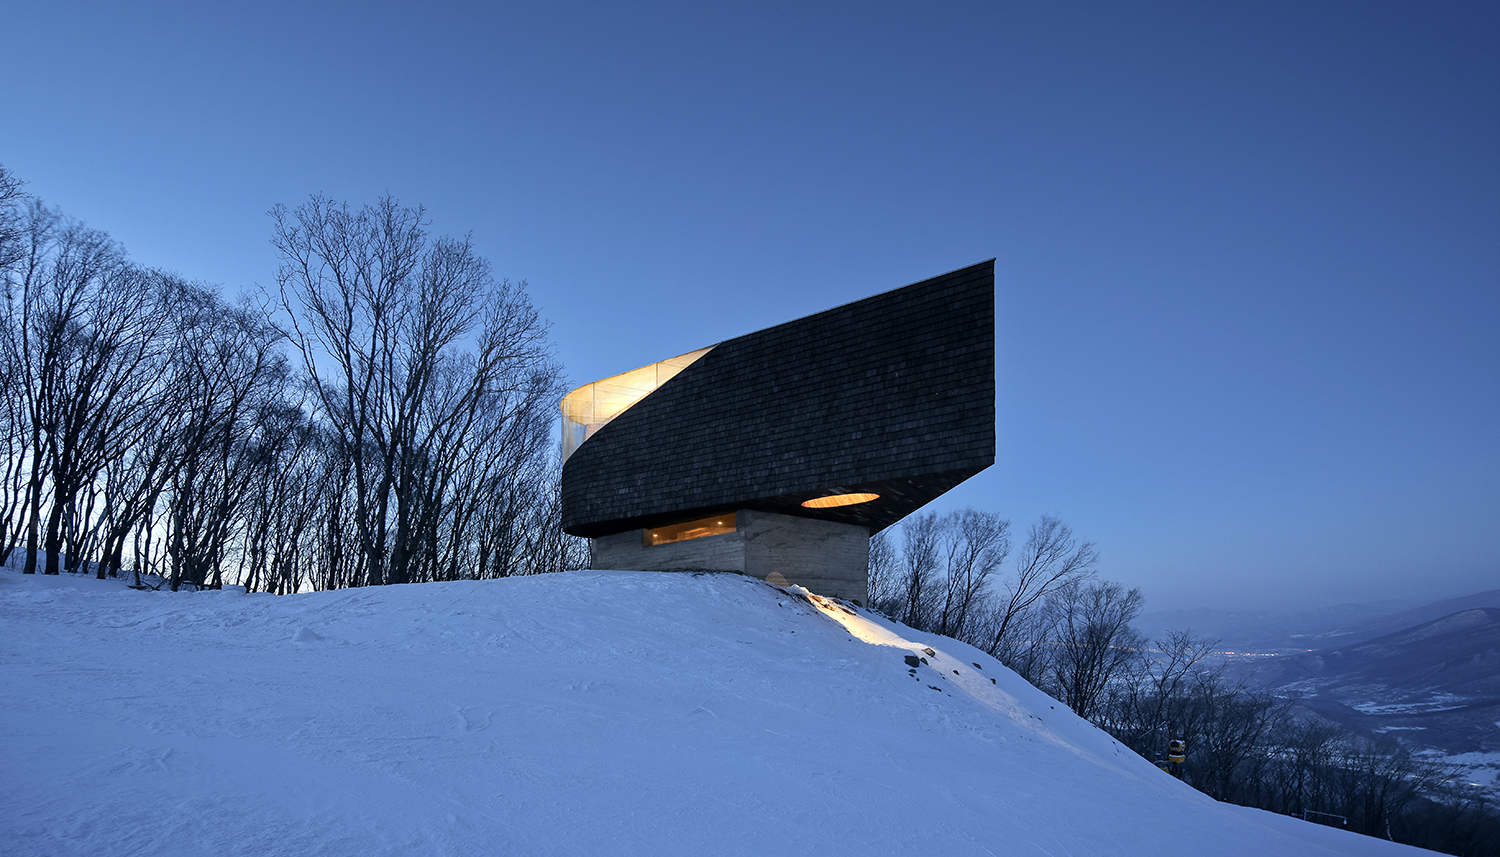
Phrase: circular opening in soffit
[834,500]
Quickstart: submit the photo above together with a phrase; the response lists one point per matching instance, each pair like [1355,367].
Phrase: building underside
[854,417]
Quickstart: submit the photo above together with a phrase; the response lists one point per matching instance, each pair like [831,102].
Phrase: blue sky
[1248,254]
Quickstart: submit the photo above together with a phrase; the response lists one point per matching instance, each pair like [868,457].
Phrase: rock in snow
[589,713]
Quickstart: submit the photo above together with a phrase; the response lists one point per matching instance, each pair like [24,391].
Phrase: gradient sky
[1248,276]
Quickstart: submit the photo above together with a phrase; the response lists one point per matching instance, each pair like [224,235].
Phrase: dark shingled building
[778,453]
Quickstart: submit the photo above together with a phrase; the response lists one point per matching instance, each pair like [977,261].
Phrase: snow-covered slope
[589,713]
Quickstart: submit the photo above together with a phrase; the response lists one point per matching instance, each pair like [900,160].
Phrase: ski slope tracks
[575,714]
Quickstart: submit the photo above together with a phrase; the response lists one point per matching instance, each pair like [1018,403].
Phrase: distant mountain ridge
[1382,625]
[1457,654]
[1337,625]
[1433,685]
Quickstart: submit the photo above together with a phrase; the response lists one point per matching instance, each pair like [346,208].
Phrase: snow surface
[583,714]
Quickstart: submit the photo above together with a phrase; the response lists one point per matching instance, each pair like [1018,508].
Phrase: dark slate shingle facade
[893,394]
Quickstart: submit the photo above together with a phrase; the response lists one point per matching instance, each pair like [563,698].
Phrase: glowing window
[838,500]
[588,408]
[715,526]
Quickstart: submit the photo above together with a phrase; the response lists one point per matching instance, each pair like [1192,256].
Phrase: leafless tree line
[383,417]
[1248,746]
[1042,611]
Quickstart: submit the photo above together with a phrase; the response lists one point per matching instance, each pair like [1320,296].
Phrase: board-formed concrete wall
[826,557]
[627,551]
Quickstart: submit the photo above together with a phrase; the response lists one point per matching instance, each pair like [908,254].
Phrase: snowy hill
[587,713]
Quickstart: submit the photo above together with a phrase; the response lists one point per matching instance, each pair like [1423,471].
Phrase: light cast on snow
[569,714]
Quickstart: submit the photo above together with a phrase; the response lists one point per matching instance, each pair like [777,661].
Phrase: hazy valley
[1425,676]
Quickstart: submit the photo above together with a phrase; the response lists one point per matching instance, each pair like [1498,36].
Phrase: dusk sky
[1248,254]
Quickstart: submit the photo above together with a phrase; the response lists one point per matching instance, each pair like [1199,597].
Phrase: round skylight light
[838,500]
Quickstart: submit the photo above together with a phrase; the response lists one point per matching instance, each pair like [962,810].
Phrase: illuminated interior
[714,526]
[588,408]
[834,500]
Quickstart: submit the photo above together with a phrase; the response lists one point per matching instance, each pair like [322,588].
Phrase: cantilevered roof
[892,395]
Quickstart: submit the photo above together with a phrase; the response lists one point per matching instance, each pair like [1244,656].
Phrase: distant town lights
[838,500]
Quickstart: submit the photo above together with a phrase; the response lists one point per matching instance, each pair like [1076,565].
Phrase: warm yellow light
[588,408]
[839,500]
[688,530]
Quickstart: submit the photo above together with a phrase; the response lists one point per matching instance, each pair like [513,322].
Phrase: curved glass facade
[588,408]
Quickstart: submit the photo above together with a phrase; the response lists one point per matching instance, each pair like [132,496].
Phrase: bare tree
[12,218]
[882,574]
[974,545]
[939,572]
[380,314]
[1050,558]
[228,391]
[919,569]
[1030,647]
[1230,729]
[1147,701]
[1095,641]
[13,423]
[284,501]
[85,322]
[143,410]
[16,450]
[1453,816]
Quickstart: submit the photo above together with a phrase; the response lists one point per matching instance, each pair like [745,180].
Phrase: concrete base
[824,557]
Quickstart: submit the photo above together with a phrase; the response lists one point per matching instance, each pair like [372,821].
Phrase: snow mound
[579,714]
